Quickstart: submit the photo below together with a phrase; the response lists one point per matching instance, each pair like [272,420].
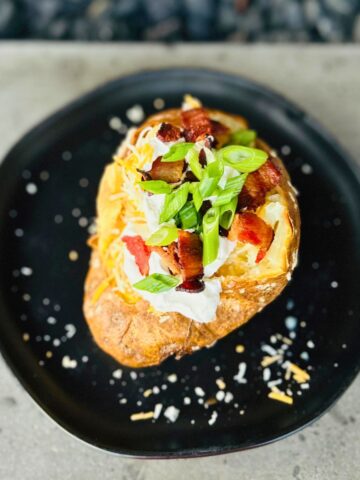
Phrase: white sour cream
[152,206]
[200,307]
[225,248]
[229,172]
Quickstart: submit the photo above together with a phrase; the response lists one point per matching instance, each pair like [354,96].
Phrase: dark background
[182,20]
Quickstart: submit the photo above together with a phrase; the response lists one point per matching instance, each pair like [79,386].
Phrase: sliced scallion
[227,213]
[243,137]
[210,235]
[232,189]
[188,216]
[177,152]
[157,283]
[243,159]
[174,202]
[162,237]
[155,186]
[193,160]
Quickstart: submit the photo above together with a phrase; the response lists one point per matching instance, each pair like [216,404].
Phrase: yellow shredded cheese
[141,416]
[268,360]
[300,375]
[280,397]
[239,349]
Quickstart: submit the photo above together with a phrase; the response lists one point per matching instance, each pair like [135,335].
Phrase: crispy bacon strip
[169,257]
[190,255]
[196,123]
[168,132]
[191,286]
[248,227]
[258,184]
[220,132]
[140,251]
[169,172]
[183,257]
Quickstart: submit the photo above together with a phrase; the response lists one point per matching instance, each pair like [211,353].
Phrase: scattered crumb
[141,416]
[266,374]
[334,284]
[26,271]
[310,344]
[26,337]
[157,410]
[172,378]
[306,169]
[159,103]
[240,376]
[239,349]
[73,255]
[220,395]
[229,397]
[220,383]
[67,362]
[213,418]
[187,401]
[148,392]
[48,354]
[133,375]
[70,330]
[172,413]
[51,320]
[135,114]
[156,390]
[117,373]
[31,188]
[281,397]
[199,391]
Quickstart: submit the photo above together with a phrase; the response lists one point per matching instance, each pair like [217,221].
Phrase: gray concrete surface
[36,79]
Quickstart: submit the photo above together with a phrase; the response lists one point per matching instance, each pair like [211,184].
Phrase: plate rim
[144,76]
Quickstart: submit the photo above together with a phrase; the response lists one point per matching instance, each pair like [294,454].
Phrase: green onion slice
[232,189]
[197,198]
[210,235]
[193,160]
[188,216]
[157,283]
[174,202]
[227,213]
[177,152]
[155,186]
[243,137]
[162,237]
[210,180]
[243,159]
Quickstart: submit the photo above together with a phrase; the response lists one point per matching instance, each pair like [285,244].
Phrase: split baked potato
[198,229]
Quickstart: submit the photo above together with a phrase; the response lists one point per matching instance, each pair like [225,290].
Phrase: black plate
[64,158]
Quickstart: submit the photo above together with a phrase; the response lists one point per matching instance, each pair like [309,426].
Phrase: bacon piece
[248,227]
[169,172]
[220,132]
[140,251]
[190,255]
[191,286]
[257,184]
[196,123]
[169,257]
[168,132]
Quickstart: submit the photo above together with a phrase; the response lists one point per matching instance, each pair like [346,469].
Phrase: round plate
[48,185]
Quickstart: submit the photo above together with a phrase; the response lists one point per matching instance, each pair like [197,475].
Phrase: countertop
[38,78]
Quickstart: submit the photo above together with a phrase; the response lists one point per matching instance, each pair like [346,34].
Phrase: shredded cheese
[141,416]
[281,397]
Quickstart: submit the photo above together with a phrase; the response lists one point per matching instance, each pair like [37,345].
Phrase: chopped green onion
[197,198]
[155,186]
[177,152]
[207,186]
[214,169]
[162,237]
[243,159]
[227,213]
[194,163]
[188,216]
[210,235]
[174,202]
[243,137]
[232,189]
[157,283]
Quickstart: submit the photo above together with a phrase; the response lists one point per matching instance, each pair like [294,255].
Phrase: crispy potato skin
[137,336]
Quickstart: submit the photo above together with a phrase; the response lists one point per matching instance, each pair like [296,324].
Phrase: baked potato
[198,229]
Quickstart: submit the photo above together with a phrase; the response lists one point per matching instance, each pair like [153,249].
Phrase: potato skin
[137,336]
